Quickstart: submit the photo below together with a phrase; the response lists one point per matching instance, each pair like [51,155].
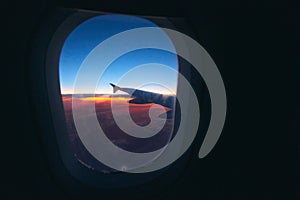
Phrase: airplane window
[142,82]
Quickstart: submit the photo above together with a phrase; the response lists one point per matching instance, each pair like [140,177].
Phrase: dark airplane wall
[256,47]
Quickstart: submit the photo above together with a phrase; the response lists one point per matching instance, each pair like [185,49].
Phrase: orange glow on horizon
[68,99]
[106,98]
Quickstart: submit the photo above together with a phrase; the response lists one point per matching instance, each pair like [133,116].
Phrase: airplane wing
[142,97]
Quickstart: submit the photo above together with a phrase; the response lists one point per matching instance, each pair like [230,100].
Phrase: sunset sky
[89,34]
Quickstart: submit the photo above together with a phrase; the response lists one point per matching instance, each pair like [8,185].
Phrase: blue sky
[92,32]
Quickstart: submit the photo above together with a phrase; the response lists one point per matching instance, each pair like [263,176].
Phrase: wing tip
[115,88]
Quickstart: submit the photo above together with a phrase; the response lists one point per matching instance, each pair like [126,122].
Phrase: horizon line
[108,93]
